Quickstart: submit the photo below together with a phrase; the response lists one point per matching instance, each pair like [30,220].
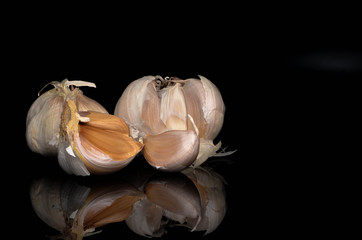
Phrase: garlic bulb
[43,119]
[79,130]
[179,119]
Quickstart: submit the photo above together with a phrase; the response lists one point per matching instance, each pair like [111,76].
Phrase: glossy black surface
[281,86]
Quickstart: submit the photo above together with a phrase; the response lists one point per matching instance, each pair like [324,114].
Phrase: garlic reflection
[150,207]
[179,119]
[75,211]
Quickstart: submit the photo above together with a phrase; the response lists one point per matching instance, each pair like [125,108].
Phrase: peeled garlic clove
[94,142]
[172,150]
[43,118]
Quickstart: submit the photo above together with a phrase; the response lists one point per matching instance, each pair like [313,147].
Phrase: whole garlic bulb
[43,119]
[179,119]
[79,130]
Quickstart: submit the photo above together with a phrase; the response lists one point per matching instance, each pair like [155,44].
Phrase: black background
[282,78]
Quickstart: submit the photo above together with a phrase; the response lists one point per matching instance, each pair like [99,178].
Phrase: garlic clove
[214,109]
[94,142]
[205,104]
[173,150]
[194,100]
[151,111]
[173,107]
[131,104]
[104,121]
[42,124]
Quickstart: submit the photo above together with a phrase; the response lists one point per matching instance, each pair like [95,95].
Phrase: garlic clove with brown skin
[44,116]
[94,142]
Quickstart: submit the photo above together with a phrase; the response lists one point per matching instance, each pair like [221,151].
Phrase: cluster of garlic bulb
[172,121]
[194,199]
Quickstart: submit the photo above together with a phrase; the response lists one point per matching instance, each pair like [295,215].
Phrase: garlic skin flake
[172,115]
[43,118]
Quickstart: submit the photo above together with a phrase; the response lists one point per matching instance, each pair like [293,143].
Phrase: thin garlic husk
[94,142]
[156,106]
[44,116]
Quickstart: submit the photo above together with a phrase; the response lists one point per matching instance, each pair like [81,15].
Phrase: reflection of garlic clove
[76,211]
[55,203]
[106,205]
[146,219]
[46,202]
[94,142]
[177,196]
[212,194]
[155,105]
[43,118]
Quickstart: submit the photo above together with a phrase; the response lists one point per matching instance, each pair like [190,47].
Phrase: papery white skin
[189,104]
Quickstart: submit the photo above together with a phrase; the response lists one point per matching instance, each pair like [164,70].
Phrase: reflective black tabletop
[277,98]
